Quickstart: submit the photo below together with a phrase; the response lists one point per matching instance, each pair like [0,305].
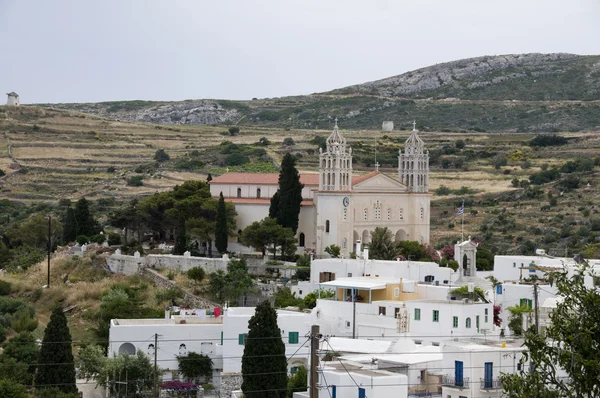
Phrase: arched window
[468,323]
[182,350]
[327,226]
[258,192]
[301,239]
[366,214]
[239,192]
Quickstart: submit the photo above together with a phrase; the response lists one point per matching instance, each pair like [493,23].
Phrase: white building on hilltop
[338,207]
[13,99]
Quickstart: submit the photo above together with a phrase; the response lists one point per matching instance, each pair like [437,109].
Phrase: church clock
[346,201]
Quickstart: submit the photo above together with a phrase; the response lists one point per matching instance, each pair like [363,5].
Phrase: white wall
[377,384]
[236,323]
[171,336]
[506,268]
[249,190]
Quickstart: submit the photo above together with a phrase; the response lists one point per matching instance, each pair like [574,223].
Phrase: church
[339,207]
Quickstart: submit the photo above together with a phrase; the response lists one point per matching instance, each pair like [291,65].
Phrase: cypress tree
[209,177]
[69,226]
[221,233]
[290,194]
[56,367]
[264,365]
[85,222]
[274,207]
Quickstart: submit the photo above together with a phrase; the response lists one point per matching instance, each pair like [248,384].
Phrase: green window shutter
[417,314]
[436,316]
[241,339]
[523,302]
[293,337]
[293,370]
[221,337]
[455,322]
[530,303]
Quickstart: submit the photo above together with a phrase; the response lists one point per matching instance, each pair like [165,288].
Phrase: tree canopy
[264,365]
[233,284]
[56,367]
[194,365]
[290,194]
[569,344]
[268,234]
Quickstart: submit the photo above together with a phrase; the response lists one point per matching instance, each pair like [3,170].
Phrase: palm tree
[382,246]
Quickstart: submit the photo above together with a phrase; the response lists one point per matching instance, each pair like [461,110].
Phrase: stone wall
[230,382]
[122,264]
[189,299]
[184,263]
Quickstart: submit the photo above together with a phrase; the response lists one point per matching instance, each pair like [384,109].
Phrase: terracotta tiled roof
[261,201]
[359,179]
[273,178]
[261,178]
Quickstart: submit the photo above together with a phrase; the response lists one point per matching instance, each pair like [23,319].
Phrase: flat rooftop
[162,321]
[361,283]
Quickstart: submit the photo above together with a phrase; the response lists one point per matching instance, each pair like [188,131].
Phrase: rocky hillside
[508,93]
[525,77]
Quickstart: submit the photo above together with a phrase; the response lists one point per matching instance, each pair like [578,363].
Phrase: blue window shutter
[499,289]
[241,339]
[362,393]
[333,392]
[458,373]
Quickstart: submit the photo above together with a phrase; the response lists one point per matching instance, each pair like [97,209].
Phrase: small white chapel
[339,207]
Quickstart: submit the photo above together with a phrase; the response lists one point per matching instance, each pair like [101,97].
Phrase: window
[378,214]
[333,392]
[344,243]
[418,341]
[417,314]
[182,350]
[239,236]
[402,214]
[293,337]
[499,289]
[347,324]
[301,239]
[526,302]
[327,226]
[293,370]
[239,192]
[514,265]
[396,292]
[150,349]
[381,310]
[349,274]
[468,323]
[396,312]
[436,316]
[454,321]
[242,338]
[422,213]
[389,214]
[345,214]
[486,316]
[258,193]
[366,214]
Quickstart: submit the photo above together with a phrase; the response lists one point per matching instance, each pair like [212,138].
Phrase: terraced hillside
[507,93]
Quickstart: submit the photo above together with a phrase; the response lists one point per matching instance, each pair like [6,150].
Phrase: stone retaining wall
[164,283]
[230,382]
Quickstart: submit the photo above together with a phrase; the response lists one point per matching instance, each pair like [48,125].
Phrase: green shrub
[443,190]
[114,239]
[548,140]
[161,156]
[288,141]
[110,169]
[263,141]
[82,239]
[4,288]
[135,181]
[98,238]
[234,130]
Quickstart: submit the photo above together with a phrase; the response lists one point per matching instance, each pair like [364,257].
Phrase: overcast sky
[107,50]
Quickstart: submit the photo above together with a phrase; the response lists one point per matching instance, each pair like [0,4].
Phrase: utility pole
[314,360]
[155,365]
[537,312]
[49,246]
[353,313]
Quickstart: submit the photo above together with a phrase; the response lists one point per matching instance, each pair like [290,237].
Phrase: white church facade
[338,207]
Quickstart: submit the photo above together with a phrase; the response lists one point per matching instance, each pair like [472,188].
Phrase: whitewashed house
[13,99]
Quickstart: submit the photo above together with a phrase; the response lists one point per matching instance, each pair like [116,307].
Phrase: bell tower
[413,164]
[335,163]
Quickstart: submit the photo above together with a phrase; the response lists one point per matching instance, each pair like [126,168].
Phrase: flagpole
[462,223]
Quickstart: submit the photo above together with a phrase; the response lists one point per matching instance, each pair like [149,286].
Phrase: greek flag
[461,211]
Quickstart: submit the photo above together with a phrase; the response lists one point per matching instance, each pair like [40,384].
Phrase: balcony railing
[451,381]
[491,384]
